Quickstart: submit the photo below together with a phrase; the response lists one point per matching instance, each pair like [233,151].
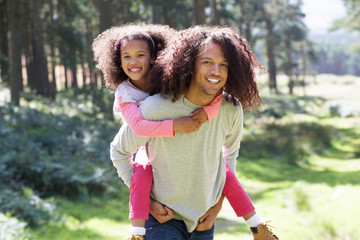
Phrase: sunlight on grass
[109,229]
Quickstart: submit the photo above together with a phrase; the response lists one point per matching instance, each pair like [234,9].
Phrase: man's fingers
[204,226]
[169,212]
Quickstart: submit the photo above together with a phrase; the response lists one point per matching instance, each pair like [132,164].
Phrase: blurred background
[300,155]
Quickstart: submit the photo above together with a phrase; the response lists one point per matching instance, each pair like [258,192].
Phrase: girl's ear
[152,61]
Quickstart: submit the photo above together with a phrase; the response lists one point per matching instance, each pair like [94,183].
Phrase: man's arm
[122,148]
[207,220]
[160,212]
[232,142]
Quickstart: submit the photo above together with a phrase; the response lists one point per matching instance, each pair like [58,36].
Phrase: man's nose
[215,69]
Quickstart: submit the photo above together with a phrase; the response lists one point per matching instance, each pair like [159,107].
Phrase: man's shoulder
[154,99]
[153,105]
[231,108]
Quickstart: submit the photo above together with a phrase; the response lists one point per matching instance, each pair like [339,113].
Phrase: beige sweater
[188,169]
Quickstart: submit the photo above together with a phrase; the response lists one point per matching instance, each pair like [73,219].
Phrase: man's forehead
[208,48]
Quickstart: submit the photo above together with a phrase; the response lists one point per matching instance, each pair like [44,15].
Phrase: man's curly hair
[172,73]
[106,47]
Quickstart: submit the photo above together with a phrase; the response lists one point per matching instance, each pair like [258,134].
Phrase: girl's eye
[206,62]
[125,56]
[224,65]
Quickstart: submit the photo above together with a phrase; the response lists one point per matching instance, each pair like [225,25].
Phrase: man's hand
[207,220]
[160,212]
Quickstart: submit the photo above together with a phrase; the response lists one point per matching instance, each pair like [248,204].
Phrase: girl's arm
[147,128]
[208,112]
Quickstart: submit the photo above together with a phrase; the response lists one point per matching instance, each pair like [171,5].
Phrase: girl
[125,55]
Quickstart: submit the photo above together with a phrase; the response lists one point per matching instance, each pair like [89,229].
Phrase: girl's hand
[186,125]
[199,115]
[160,212]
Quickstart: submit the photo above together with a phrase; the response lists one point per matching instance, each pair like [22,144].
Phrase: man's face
[211,70]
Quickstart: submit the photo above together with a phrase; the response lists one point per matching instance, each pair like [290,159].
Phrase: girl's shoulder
[130,93]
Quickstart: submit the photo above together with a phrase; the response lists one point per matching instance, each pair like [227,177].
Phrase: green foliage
[302,199]
[288,142]
[12,228]
[276,132]
[48,149]
[27,206]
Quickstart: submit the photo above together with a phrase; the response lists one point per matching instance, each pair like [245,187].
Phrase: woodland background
[299,160]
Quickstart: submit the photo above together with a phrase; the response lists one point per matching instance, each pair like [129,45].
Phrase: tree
[250,18]
[40,61]
[4,49]
[351,21]
[215,18]
[106,13]
[199,11]
[292,30]
[267,17]
[14,16]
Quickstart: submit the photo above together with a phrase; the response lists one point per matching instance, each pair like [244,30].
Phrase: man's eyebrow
[224,60]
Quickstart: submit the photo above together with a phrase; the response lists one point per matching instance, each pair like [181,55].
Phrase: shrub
[49,149]
[289,142]
[11,228]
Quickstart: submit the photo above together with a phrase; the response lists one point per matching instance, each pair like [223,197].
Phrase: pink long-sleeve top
[127,98]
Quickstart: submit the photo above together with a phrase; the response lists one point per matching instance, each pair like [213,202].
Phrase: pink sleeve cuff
[213,109]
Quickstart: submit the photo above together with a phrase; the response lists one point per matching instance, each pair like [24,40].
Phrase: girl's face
[135,61]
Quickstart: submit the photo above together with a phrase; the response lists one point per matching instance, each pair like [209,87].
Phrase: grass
[314,197]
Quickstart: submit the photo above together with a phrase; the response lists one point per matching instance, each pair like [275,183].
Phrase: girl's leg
[140,194]
[243,207]
[237,197]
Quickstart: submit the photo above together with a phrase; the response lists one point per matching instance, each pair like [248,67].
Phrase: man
[189,170]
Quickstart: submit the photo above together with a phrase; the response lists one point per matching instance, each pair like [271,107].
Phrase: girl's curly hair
[106,47]
[171,75]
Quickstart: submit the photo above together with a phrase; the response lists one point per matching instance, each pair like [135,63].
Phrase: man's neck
[199,99]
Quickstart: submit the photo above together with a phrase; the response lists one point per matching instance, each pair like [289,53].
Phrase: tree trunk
[74,83]
[155,13]
[215,19]
[28,47]
[289,63]
[105,11]
[4,48]
[270,49]
[40,62]
[66,76]
[14,17]
[83,74]
[199,11]
[52,53]
[245,27]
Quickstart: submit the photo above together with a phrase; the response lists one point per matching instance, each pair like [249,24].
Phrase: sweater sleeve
[122,148]
[213,109]
[142,127]
[232,142]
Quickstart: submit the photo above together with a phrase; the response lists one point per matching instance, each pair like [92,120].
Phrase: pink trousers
[142,181]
